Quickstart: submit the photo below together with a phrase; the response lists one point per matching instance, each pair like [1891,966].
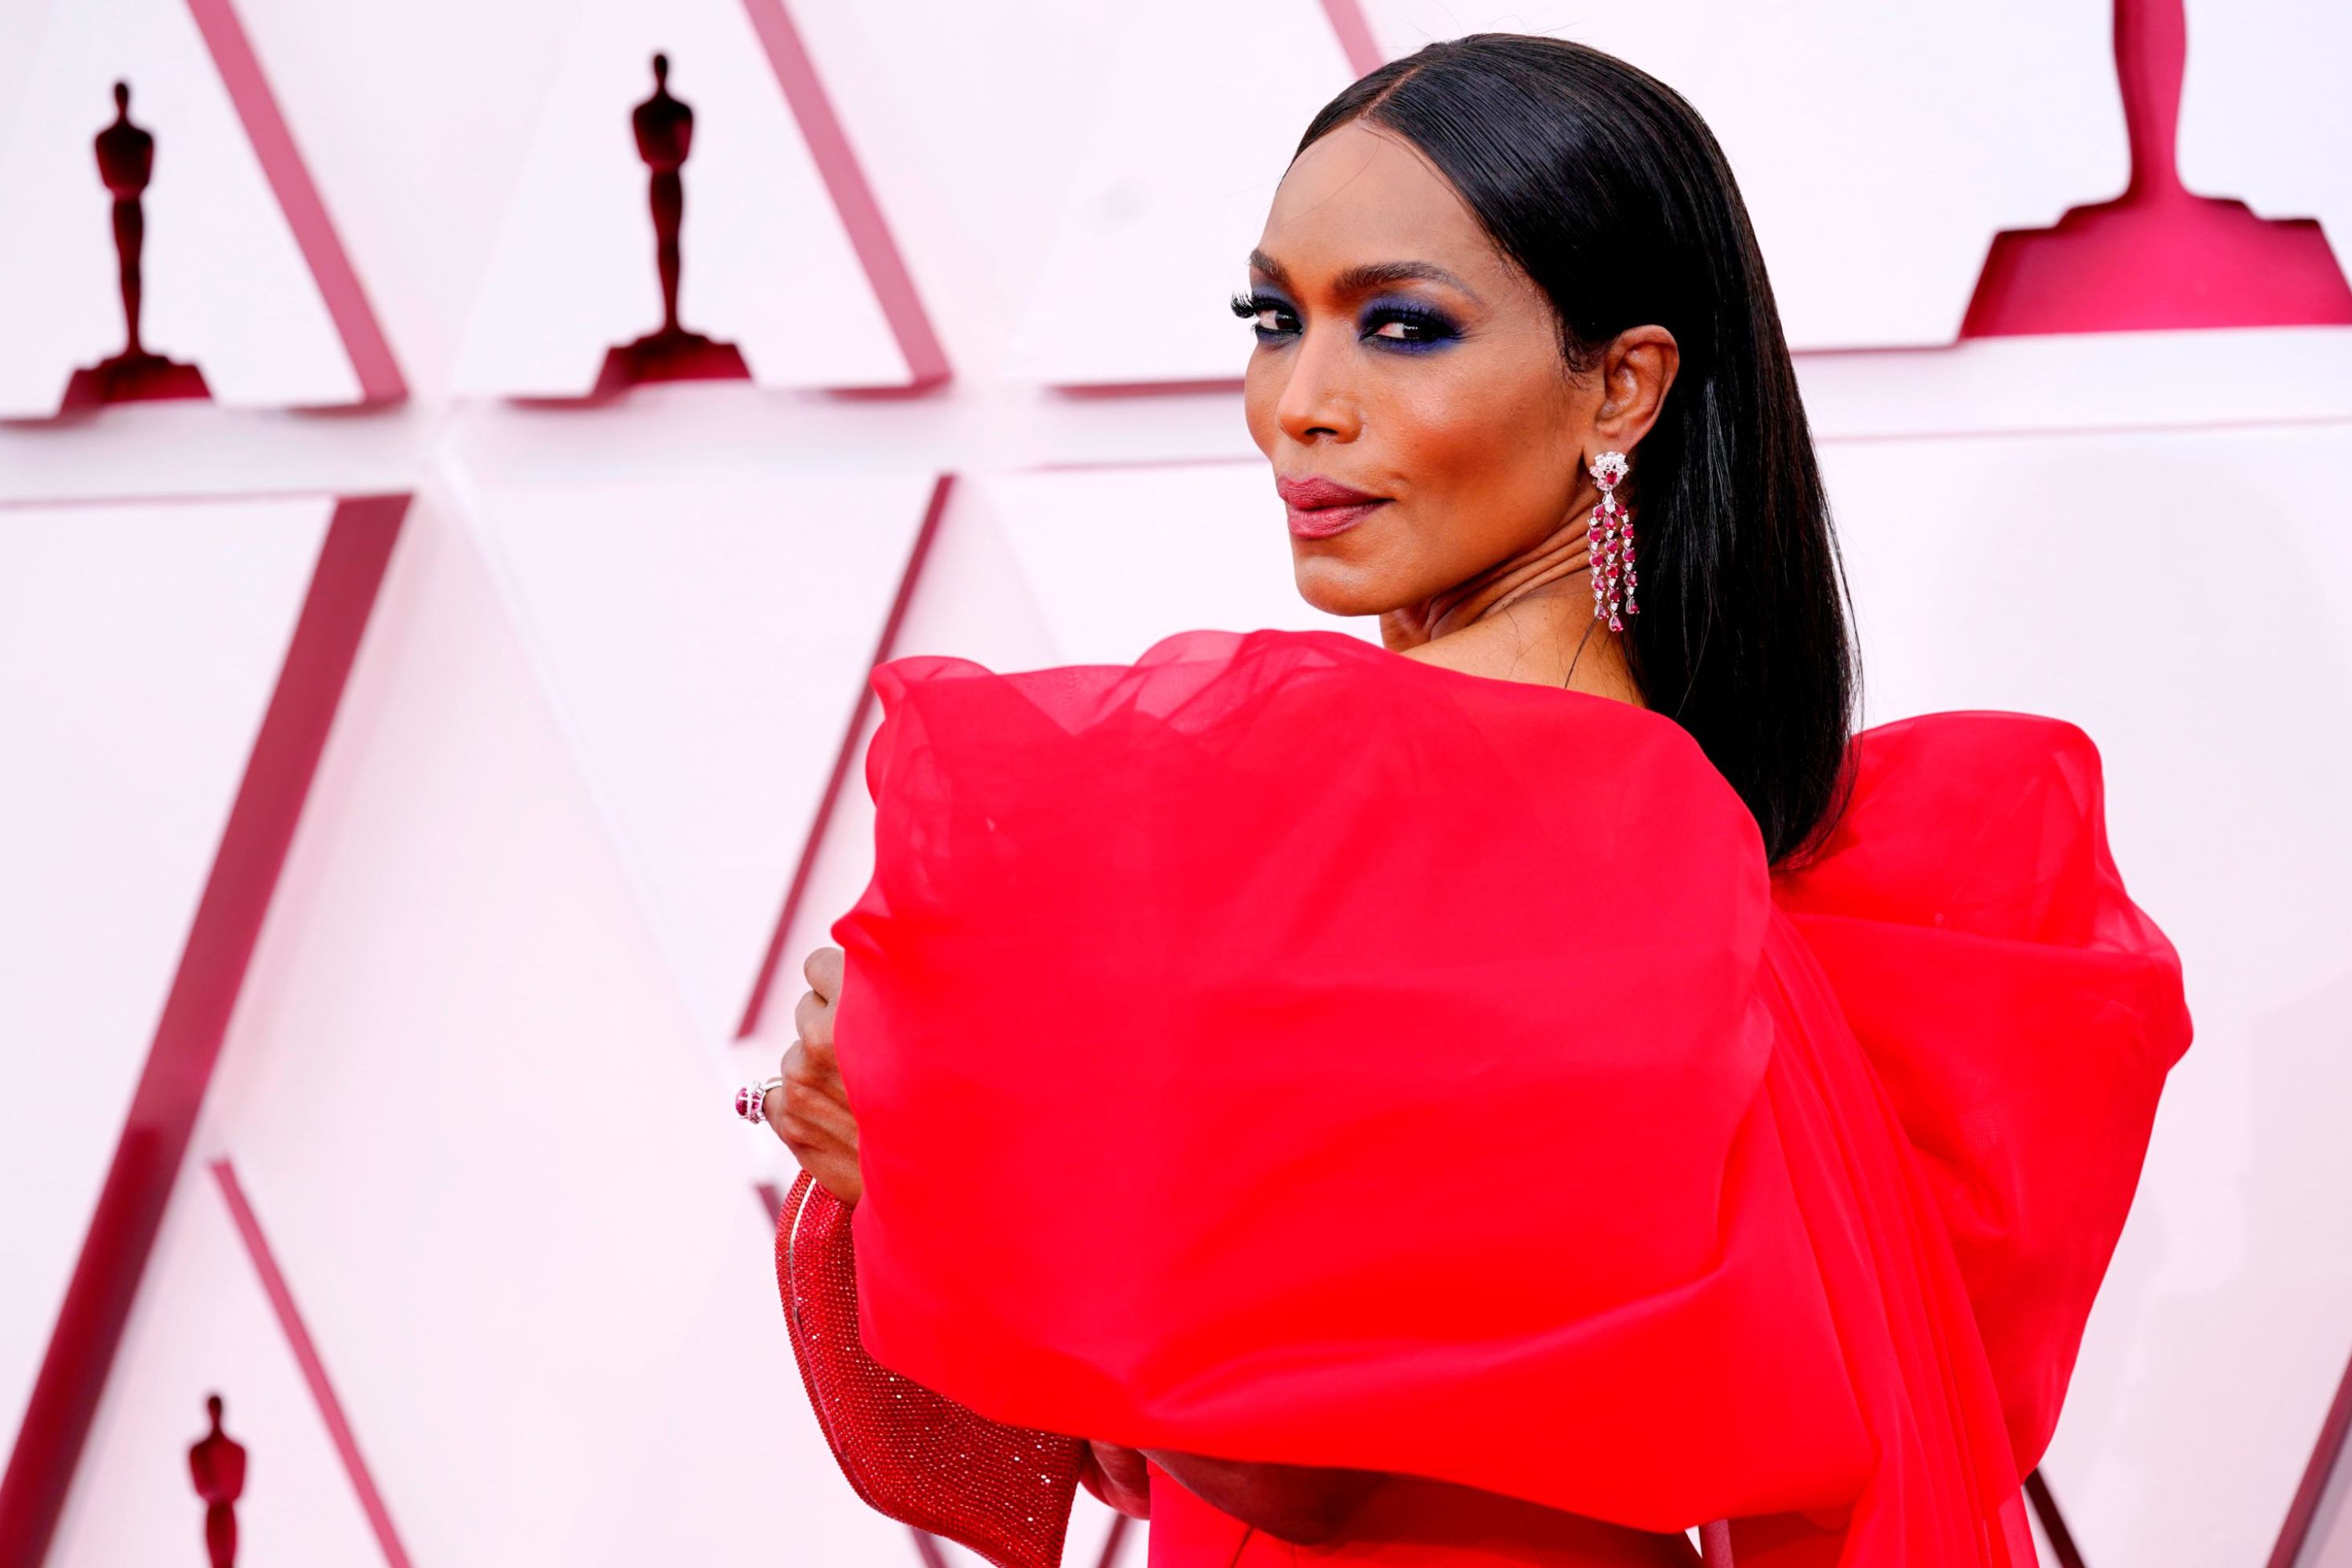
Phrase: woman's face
[1407,383]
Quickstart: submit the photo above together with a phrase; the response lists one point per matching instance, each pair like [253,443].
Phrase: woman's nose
[1319,400]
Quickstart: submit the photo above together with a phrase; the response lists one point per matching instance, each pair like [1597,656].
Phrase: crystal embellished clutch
[920,1458]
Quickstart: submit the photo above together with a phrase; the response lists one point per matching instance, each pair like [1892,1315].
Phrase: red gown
[1285,1050]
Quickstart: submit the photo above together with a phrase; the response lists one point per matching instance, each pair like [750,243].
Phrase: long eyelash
[1251,305]
[1439,327]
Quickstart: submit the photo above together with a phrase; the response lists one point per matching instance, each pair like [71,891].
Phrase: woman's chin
[1343,587]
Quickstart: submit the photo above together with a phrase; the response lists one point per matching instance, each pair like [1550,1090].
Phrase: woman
[1516,1100]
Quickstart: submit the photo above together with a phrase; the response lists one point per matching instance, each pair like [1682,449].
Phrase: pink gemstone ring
[751,1097]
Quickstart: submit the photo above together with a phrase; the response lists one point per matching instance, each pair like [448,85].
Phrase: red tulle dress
[1284,1050]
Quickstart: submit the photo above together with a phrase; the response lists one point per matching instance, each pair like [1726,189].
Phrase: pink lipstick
[1321,508]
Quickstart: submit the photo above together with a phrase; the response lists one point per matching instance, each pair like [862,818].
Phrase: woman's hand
[1119,1477]
[1302,1504]
[810,1110]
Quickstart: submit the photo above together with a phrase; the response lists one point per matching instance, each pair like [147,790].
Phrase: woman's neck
[1527,618]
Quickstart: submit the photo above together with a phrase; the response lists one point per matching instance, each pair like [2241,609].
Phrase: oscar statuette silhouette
[216,1461]
[664,125]
[2214,262]
[126,163]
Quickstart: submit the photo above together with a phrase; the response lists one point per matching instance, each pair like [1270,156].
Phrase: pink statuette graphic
[126,164]
[216,1464]
[2156,257]
[664,127]
[1610,539]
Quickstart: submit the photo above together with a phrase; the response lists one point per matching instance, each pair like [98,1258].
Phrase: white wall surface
[139,645]
[476,1083]
[766,263]
[2262,114]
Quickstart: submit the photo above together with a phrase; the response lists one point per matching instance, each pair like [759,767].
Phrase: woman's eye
[1267,318]
[1415,329]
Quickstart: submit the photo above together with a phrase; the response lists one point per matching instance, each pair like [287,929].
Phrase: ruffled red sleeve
[1284,1049]
[2021,1010]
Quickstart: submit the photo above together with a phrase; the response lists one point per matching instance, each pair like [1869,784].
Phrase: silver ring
[751,1097]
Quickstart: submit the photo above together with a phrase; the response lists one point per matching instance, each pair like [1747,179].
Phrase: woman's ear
[1637,369]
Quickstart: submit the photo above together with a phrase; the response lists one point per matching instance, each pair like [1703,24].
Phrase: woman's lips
[1321,508]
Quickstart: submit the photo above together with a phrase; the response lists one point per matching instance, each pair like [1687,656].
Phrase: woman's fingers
[813,1019]
[1121,1478]
[834,1172]
[809,1105]
[809,1108]
[810,1101]
[812,1061]
[822,968]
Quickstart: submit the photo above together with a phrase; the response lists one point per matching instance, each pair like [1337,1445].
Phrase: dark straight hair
[1607,187]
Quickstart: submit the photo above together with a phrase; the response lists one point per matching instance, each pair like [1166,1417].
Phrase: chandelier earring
[1610,539]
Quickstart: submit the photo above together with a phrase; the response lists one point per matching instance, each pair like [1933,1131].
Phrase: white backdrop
[474,1086]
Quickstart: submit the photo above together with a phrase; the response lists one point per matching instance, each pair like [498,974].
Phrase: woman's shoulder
[1979,821]
[1339,688]
[1323,722]
[1966,747]
[1220,763]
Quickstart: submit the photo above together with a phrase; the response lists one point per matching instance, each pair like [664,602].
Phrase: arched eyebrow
[1369,275]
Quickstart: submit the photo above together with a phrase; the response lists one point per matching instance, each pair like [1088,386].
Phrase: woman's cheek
[1487,451]
[1260,395]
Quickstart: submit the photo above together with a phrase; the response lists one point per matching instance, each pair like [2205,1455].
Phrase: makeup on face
[1320,507]
[1400,355]
[1396,323]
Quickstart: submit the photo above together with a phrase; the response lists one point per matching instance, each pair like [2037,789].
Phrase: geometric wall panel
[1061,566]
[203,1325]
[1173,192]
[746,1442]
[2264,114]
[241,275]
[2225,721]
[1873,208]
[976,207]
[1878,148]
[139,648]
[775,221]
[1115,558]
[2059,1551]
[465,1076]
[414,120]
[2317,1532]
[546,1299]
[704,642]
[968,597]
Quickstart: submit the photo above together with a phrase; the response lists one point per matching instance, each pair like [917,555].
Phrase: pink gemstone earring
[1610,537]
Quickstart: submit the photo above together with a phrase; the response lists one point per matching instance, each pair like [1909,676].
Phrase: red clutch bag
[923,1459]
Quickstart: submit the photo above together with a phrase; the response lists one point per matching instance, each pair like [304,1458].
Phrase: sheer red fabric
[1283,1049]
